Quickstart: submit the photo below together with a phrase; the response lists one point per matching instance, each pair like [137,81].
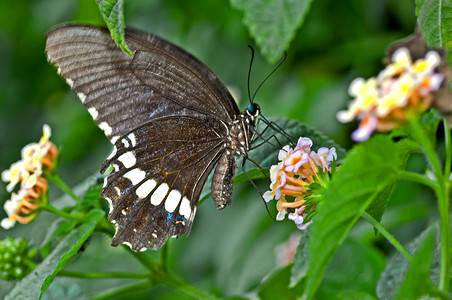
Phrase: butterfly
[171,122]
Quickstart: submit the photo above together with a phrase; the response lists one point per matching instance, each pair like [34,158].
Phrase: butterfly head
[253,110]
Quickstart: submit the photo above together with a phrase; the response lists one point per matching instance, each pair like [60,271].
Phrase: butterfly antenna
[249,72]
[276,68]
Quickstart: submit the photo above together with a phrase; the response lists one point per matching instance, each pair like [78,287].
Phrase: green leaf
[377,208]
[417,281]
[399,270]
[35,284]
[277,286]
[273,23]
[113,15]
[301,258]
[57,229]
[365,172]
[92,194]
[356,266]
[435,21]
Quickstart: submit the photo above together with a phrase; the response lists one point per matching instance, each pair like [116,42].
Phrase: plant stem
[63,186]
[159,274]
[88,275]
[443,204]
[415,177]
[131,288]
[391,239]
[50,208]
[143,258]
[441,189]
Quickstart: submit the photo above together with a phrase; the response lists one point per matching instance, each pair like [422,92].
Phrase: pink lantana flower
[293,176]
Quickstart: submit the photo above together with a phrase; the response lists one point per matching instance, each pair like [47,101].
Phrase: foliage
[273,23]
[399,180]
[435,20]
[112,12]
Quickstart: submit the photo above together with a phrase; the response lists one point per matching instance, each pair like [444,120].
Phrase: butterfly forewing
[169,118]
[121,92]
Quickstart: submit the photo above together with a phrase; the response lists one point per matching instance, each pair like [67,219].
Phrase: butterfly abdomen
[222,180]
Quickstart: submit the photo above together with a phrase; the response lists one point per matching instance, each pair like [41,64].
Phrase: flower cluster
[402,89]
[294,177]
[36,157]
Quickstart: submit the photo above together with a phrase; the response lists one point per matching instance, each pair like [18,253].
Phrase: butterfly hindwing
[151,198]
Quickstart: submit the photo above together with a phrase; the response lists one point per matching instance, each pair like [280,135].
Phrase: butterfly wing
[167,115]
[158,177]
[122,93]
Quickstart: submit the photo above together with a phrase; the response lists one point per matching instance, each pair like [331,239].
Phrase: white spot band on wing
[105,128]
[172,201]
[114,139]
[144,189]
[82,97]
[132,139]
[159,194]
[135,175]
[128,159]
[125,142]
[93,112]
[185,208]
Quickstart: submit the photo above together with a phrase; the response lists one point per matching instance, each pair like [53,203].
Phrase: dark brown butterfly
[170,120]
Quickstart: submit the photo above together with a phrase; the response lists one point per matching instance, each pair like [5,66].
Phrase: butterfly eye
[253,110]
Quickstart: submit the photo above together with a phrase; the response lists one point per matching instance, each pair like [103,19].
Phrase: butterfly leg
[255,186]
[257,135]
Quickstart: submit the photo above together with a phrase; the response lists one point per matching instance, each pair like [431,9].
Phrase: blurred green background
[228,252]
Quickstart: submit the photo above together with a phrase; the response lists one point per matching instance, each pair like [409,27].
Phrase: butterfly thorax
[240,135]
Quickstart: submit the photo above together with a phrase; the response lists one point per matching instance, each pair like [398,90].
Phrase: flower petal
[7,223]
[268,195]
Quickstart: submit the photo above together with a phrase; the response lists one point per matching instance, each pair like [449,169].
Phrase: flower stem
[51,209]
[63,186]
[88,275]
[131,288]
[442,190]
[391,239]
